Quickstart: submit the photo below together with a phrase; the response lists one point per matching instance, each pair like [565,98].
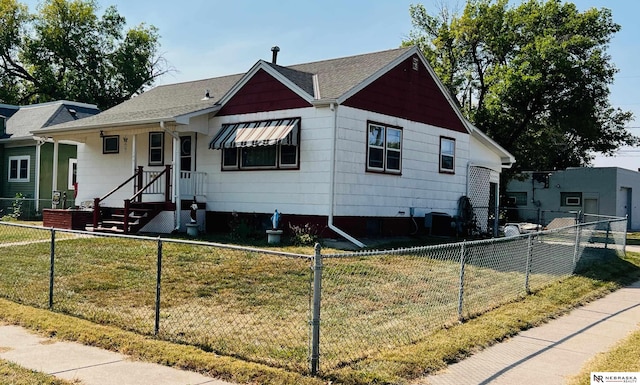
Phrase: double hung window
[447,155]
[156,148]
[384,148]
[19,168]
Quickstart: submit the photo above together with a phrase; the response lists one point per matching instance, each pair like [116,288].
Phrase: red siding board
[262,93]
[409,94]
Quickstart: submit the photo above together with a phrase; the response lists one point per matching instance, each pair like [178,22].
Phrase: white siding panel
[479,154]
[300,192]
[421,186]
[100,173]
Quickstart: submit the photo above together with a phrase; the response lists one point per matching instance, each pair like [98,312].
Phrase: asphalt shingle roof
[37,116]
[335,77]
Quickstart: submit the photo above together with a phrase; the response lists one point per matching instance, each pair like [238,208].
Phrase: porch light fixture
[101,134]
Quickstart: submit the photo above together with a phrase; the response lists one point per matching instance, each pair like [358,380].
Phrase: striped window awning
[253,134]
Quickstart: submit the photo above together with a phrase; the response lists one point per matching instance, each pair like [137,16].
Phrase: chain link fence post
[156,328]
[461,288]
[576,247]
[528,265]
[52,258]
[315,320]
[624,239]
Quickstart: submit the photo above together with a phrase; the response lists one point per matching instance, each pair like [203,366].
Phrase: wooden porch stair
[135,213]
[140,213]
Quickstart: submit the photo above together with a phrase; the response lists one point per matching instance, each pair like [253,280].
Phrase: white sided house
[360,146]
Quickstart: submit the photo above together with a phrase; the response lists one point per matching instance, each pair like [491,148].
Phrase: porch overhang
[259,133]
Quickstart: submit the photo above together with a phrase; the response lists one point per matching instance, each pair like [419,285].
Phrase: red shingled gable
[262,93]
[410,94]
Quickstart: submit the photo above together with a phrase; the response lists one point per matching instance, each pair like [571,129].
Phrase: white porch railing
[158,186]
[192,184]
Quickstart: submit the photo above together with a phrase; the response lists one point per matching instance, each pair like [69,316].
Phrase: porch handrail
[127,202]
[138,174]
[166,171]
[96,201]
[138,171]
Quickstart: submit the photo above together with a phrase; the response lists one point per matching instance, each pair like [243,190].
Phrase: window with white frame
[111,144]
[447,155]
[156,148]
[384,148]
[73,172]
[19,168]
[571,199]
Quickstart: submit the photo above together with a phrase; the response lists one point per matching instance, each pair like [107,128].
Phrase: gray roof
[167,102]
[336,77]
[43,115]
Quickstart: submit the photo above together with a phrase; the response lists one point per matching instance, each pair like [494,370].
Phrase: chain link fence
[306,313]
[29,209]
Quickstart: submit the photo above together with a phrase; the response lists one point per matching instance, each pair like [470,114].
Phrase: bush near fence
[27,207]
[266,306]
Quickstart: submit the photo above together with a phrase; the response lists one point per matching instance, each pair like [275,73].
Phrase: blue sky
[209,38]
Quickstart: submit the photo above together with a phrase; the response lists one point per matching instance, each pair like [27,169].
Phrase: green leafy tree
[66,51]
[535,76]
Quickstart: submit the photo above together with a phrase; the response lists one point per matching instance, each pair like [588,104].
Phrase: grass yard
[624,357]
[13,374]
[382,316]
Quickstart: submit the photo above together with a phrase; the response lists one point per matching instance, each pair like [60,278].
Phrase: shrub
[16,208]
[306,235]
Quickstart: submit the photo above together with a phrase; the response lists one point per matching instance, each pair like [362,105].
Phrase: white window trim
[385,149]
[19,159]
[441,168]
[161,148]
[72,161]
[572,201]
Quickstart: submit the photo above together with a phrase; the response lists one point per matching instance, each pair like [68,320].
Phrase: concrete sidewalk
[90,365]
[553,352]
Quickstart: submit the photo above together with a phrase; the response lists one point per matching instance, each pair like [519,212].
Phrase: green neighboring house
[26,161]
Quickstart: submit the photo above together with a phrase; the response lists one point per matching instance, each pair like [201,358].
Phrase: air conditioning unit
[439,224]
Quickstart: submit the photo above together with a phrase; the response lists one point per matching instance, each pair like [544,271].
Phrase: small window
[229,158]
[73,172]
[384,148]
[288,155]
[571,199]
[156,148]
[447,155]
[19,168]
[111,144]
[518,198]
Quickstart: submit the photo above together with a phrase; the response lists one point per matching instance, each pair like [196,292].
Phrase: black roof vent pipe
[274,56]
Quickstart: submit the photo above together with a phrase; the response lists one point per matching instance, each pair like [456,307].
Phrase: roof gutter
[85,127]
[334,108]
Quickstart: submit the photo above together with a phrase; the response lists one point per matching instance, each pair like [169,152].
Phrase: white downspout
[176,173]
[332,184]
